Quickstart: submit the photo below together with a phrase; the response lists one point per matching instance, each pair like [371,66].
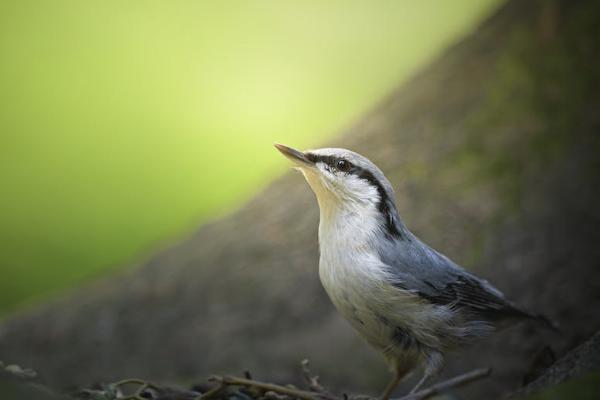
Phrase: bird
[408,301]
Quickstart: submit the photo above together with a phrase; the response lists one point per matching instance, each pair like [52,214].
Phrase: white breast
[358,284]
[354,277]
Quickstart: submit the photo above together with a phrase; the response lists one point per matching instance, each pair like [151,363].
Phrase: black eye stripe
[386,205]
[329,160]
[332,162]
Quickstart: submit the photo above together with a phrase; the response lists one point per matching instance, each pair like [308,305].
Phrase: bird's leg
[398,375]
[434,365]
[390,387]
[420,384]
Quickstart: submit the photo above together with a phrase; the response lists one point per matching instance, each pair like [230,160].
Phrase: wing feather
[416,267]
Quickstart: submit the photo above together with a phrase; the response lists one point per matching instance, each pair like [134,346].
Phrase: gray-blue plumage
[431,275]
[404,298]
[419,268]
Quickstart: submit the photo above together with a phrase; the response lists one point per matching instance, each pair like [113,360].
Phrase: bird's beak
[295,155]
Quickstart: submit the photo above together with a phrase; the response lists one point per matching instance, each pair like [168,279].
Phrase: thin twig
[133,397]
[140,382]
[137,394]
[275,396]
[447,384]
[212,392]
[312,380]
[300,394]
[132,381]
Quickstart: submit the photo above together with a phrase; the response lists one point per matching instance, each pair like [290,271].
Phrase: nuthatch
[408,301]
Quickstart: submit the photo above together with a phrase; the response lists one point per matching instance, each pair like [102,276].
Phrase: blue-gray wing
[434,277]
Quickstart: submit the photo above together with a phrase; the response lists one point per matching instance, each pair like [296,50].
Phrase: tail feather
[546,322]
[511,311]
[538,318]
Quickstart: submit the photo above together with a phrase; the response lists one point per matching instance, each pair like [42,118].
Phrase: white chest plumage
[355,279]
[359,285]
[355,294]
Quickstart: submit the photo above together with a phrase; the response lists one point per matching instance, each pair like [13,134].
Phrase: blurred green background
[125,124]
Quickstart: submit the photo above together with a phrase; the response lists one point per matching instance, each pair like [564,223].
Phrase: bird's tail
[547,322]
[541,320]
[523,314]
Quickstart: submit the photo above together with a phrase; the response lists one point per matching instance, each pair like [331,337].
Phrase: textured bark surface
[575,364]
[493,151]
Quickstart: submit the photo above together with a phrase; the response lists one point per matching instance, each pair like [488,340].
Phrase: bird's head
[345,180]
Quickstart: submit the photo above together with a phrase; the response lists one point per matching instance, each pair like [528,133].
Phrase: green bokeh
[127,123]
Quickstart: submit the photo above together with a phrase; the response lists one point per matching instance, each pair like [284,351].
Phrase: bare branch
[139,391]
[297,393]
[448,384]
[312,380]
[212,392]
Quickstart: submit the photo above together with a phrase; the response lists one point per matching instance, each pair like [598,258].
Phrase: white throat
[346,224]
[349,267]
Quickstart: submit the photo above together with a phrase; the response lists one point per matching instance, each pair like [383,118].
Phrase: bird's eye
[343,165]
